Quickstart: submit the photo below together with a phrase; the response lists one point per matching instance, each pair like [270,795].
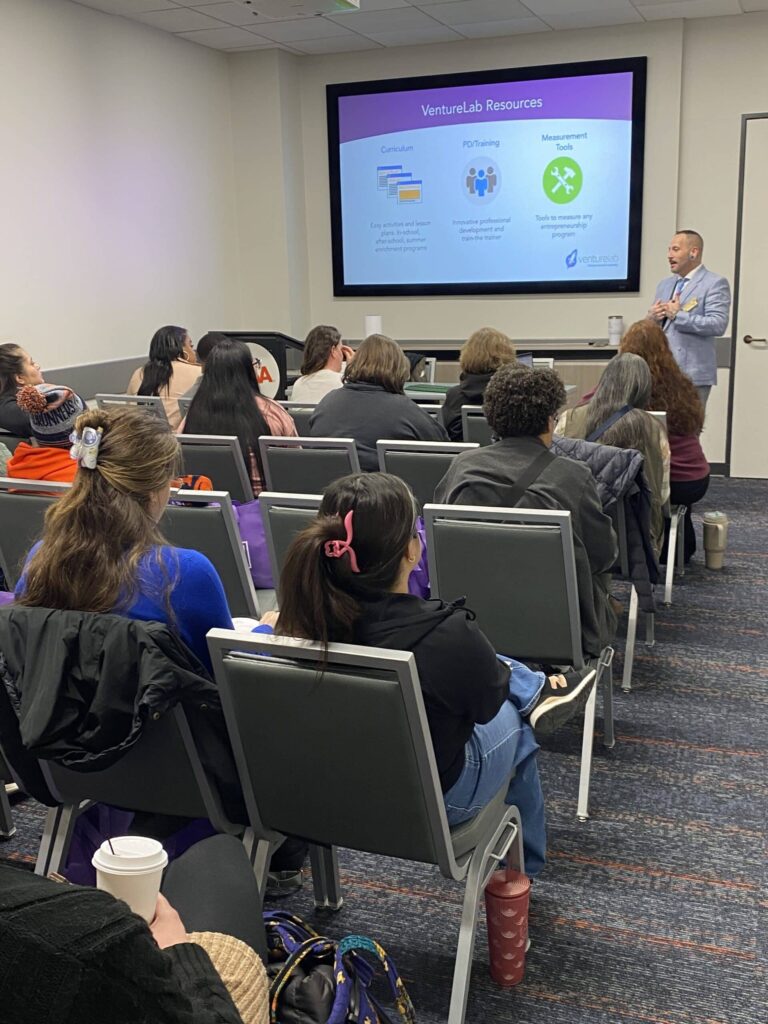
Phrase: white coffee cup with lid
[131,868]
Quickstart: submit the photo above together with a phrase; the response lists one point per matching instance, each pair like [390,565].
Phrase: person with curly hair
[674,393]
[521,406]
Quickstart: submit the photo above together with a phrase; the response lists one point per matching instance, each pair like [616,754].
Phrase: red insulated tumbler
[506,911]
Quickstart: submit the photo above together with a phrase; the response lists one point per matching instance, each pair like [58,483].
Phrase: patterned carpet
[650,912]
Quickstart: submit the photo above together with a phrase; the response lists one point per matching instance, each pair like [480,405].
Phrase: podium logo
[572,258]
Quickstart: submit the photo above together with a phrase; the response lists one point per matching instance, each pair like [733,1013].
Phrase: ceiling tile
[336,44]
[128,7]
[225,37]
[179,20]
[401,19]
[754,5]
[301,28]
[466,11]
[544,7]
[592,19]
[417,36]
[232,14]
[689,9]
[486,29]
[381,5]
[429,3]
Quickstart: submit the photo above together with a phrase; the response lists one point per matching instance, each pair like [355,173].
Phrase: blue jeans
[493,752]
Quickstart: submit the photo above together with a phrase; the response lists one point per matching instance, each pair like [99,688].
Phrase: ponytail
[11,364]
[341,560]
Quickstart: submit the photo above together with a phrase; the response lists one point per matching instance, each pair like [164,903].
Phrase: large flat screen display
[525,180]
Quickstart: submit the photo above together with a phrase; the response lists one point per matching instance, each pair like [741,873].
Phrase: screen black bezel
[631,283]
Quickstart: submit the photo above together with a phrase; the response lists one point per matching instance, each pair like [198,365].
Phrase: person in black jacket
[372,405]
[521,406]
[481,356]
[345,579]
[17,368]
[75,955]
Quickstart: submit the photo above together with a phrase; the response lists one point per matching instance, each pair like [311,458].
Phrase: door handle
[757,342]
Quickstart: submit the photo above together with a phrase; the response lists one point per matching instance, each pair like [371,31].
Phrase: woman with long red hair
[674,393]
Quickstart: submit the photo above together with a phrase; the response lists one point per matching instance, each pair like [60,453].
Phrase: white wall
[117,184]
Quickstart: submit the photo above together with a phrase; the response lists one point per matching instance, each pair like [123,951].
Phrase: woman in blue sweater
[102,550]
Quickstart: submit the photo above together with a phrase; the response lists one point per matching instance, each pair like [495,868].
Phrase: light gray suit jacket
[692,334]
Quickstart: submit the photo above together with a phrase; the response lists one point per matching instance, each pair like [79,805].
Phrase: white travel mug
[131,868]
[615,330]
[715,539]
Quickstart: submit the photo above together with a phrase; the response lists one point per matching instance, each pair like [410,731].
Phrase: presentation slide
[517,183]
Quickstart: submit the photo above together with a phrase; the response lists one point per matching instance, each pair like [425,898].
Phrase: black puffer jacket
[620,477]
[79,687]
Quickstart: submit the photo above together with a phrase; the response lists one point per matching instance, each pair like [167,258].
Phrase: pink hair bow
[338,548]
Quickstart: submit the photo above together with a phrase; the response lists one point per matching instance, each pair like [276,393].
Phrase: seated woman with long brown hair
[102,549]
[674,393]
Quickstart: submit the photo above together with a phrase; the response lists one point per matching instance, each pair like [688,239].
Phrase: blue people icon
[491,179]
[481,184]
[470,182]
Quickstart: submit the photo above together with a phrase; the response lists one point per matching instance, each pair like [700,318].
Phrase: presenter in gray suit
[692,306]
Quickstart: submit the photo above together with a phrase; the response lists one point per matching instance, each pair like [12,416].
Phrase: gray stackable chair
[11,441]
[206,523]
[152,404]
[220,458]
[676,516]
[360,772]
[474,426]
[306,465]
[7,827]
[161,774]
[284,516]
[184,404]
[421,464]
[300,411]
[21,520]
[432,409]
[518,571]
[618,517]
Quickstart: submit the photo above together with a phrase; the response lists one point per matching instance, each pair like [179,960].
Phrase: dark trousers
[213,888]
[685,492]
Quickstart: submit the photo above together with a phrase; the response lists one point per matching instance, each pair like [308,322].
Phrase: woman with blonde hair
[481,356]
[372,404]
[674,393]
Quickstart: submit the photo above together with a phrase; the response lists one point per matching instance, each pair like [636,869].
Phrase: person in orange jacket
[52,413]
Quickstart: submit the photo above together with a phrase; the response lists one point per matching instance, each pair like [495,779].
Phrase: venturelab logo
[572,258]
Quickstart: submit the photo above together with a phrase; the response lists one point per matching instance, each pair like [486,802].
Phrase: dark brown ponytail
[321,595]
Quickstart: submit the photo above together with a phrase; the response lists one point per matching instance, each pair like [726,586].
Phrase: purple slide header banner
[602,97]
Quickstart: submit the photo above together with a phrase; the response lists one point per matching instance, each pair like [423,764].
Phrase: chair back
[474,426]
[220,458]
[306,465]
[517,570]
[657,414]
[184,404]
[160,774]
[357,768]
[206,523]
[543,362]
[421,464]
[284,516]
[21,520]
[301,412]
[11,441]
[152,404]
